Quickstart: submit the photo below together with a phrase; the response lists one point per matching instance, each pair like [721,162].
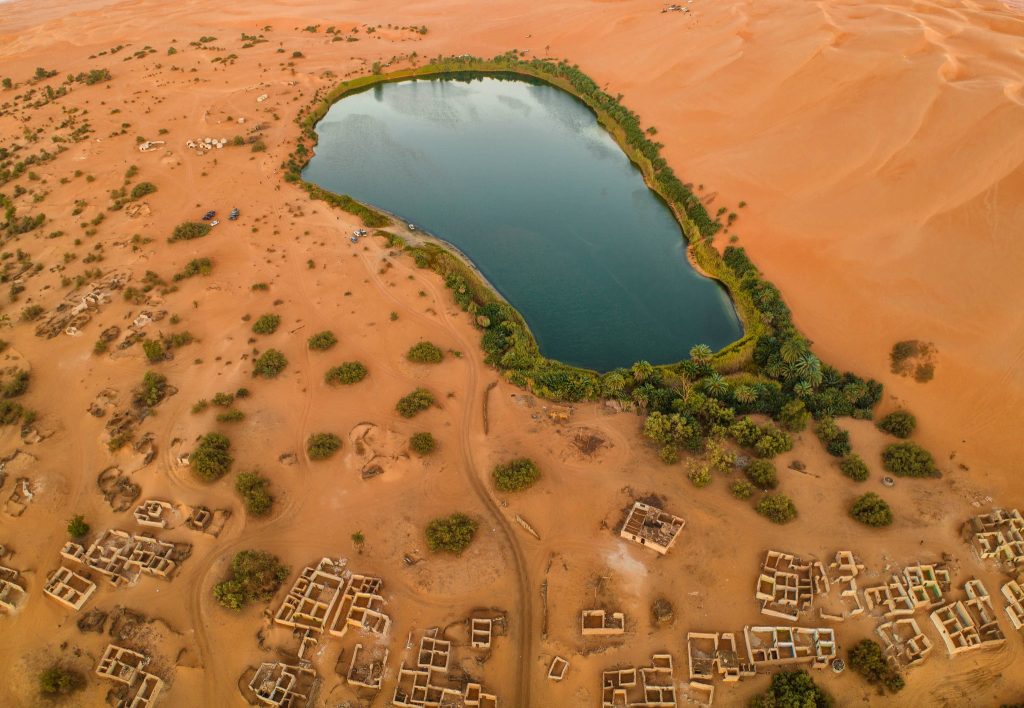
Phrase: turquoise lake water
[524,181]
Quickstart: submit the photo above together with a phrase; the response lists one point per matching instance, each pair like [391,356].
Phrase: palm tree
[642,371]
[744,394]
[715,385]
[701,354]
[802,389]
[792,350]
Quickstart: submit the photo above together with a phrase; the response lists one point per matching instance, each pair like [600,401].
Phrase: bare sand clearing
[879,150]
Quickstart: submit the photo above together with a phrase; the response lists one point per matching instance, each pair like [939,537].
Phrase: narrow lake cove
[524,181]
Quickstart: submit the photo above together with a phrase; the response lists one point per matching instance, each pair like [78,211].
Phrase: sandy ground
[878,148]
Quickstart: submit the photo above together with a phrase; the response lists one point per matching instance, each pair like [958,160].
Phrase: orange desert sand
[880,150]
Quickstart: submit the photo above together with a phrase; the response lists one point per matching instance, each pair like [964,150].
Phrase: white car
[214,222]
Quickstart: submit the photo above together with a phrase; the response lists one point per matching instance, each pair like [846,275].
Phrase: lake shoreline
[734,356]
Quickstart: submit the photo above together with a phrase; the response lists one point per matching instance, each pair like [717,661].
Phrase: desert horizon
[266,443]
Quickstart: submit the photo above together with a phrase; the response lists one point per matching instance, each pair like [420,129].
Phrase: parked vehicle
[209,215]
[234,214]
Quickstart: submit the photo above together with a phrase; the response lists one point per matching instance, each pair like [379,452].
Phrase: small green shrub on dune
[266,324]
[212,458]
[322,341]
[56,681]
[269,364]
[414,403]
[255,576]
[320,446]
[908,459]
[854,467]
[835,439]
[451,534]
[762,474]
[778,508]
[898,423]
[346,374]
[422,443]
[189,230]
[792,689]
[741,489]
[424,353]
[255,492]
[872,510]
[516,475]
[868,660]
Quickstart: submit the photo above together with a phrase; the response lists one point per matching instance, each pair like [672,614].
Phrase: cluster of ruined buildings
[327,600]
[794,590]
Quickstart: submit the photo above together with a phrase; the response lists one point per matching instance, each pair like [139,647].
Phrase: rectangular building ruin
[776,646]
[787,585]
[420,685]
[1014,594]
[903,642]
[998,536]
[651,527]
[128,667]
[368,672]
[280,684]
[154,513]
[917,587]
[647,687]
[711,654]
[122,557]
[842,575]
[599,623]
[558,669]
[329,598]
[968,624]
[69,588]
[480,631]
[11,591]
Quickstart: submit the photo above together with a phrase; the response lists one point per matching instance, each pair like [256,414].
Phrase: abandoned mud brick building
[651,527]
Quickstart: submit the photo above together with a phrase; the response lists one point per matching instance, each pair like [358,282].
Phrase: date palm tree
[701,354]
[715,385]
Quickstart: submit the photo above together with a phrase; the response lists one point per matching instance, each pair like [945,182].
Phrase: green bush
[266,324]
[777,507]
[762,474]
[794,416]
[196,266]
[320,446]
[854,467]
[322,341]
[410,405]
[189,230]
[154,388]
[17,385]
[58,681]
[142,189]
[154,350]
[835,439]
[269,364]
[741,489]
[907,459]
[32,313]
[232,415]
[255,491]
[77,528]
[792,689]
[452,534]
[422,443]
[699,475]
[872,510]
[212,458]
[867,659]
[515,475]
[669,454]
[255,575]
[898,423]
[348,373]
[424,353]
[223,399]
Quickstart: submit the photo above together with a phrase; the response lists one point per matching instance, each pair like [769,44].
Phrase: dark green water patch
[522,179]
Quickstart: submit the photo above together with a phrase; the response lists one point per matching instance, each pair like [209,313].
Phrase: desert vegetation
[414,403]
[424,353]
[515,475]
[451,534]
[255,492]
[345,374]
[211,458]
[255,576]
[871,510]
[907,459]
[320,446]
